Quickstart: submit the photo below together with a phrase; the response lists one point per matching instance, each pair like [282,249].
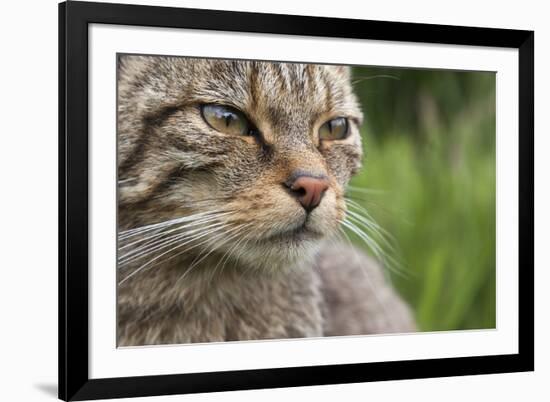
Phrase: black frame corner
[74,18]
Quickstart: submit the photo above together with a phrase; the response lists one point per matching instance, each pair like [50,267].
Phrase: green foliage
[429,142]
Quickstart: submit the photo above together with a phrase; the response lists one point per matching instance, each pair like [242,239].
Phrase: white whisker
[135,231]
[386,259]
[167,252]
[196,222]
[234,232]
[228,253]
[358,261]
[368,225]
[163,243]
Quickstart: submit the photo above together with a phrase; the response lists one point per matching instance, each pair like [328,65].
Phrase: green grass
[436,183]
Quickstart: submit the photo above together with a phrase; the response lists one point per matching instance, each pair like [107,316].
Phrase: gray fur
[264,283]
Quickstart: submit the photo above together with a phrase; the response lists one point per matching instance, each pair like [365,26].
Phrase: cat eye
[335,129]
[227,120]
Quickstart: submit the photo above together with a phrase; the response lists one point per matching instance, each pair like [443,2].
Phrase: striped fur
[171,164]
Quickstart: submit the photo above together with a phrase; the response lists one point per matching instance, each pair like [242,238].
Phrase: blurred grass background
[429,143]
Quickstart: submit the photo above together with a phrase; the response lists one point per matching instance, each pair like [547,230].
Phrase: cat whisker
[198,259]
[380,233]
[215,237]
[232,234]
[171,250]
[369,202]
[368,218]
[127,180]
[371,244]
[196,262]
[385,258]
[159,224]
[230,251]
[372,77]
[163,243]
[355,197]
[358,261]
[243,247]
[223,233]
[135,231]
[200,221]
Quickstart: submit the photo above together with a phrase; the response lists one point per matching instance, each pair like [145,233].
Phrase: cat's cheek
[343,162]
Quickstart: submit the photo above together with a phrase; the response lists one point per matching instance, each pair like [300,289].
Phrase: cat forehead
[270,76]
[282,85]
[267,89]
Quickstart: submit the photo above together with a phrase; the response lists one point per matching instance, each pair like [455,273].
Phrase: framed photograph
[257,201]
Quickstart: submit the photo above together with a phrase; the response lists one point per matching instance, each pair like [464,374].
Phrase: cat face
[238,157]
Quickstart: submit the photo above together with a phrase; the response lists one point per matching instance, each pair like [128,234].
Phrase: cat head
[243,157]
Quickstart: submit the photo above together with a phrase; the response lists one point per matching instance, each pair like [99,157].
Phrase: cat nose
[308,190]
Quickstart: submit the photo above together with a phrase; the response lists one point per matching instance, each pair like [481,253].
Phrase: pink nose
[309,190]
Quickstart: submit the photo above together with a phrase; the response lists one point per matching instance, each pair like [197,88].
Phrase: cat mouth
[295,235]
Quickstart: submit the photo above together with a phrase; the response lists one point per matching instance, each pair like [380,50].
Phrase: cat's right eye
[335,129]
[226,119]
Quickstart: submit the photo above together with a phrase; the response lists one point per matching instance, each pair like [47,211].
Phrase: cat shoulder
[359,298]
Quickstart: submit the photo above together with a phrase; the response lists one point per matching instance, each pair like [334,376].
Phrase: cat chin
[287,250]
[283,255]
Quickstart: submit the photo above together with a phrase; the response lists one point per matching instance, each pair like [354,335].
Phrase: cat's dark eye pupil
[228,119]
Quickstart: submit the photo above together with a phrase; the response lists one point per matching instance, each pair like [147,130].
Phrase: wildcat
[232,177]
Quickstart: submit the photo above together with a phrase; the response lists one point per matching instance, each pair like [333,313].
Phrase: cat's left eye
[335,129]
[226,119]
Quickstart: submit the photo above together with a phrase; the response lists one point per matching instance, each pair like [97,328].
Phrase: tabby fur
[259,276]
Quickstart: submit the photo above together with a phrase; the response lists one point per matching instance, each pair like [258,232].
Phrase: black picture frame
[74,381]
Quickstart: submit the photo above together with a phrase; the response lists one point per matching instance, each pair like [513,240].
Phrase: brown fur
[264,282]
